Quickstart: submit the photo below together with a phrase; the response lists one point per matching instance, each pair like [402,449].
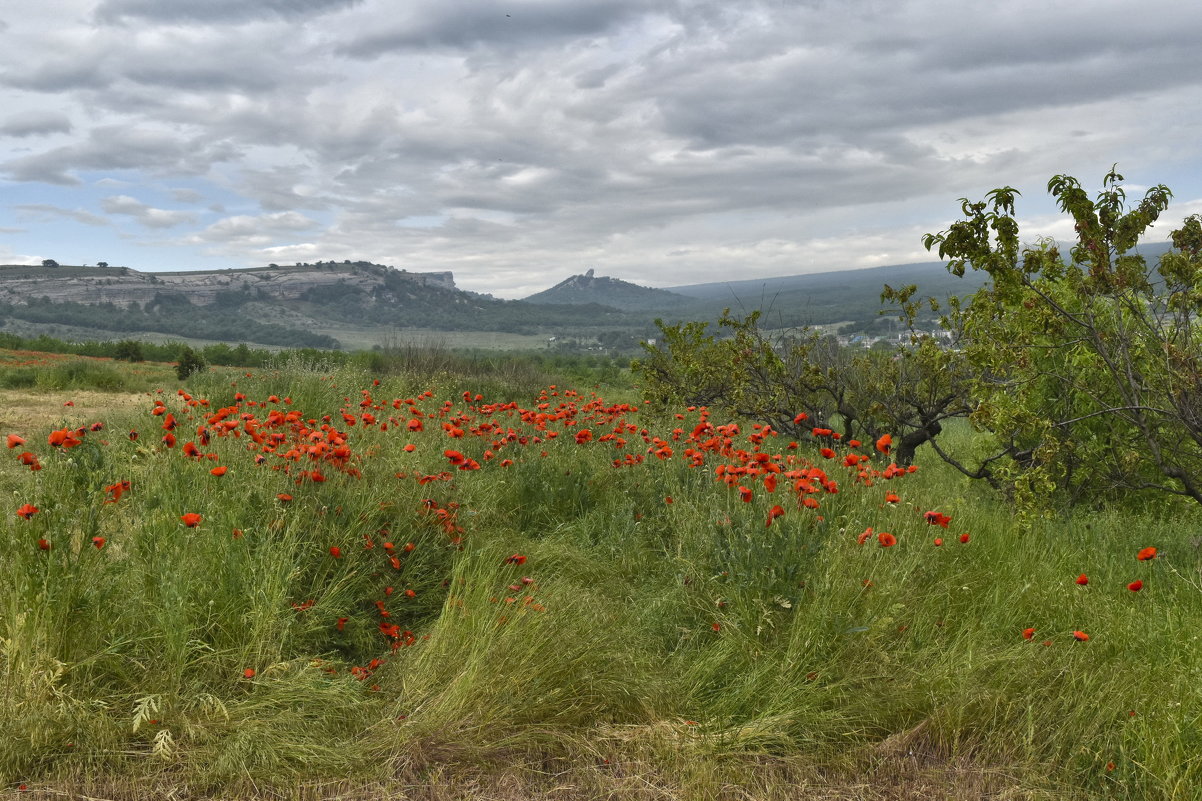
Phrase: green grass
[684,648]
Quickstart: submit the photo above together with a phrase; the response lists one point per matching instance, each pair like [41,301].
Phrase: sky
[516,143]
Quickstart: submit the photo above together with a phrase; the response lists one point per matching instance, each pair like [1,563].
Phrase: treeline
[167,314]
[137,351]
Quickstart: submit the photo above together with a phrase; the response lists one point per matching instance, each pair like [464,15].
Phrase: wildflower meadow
[314,581]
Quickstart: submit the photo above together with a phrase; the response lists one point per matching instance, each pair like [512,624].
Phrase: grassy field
[309,583]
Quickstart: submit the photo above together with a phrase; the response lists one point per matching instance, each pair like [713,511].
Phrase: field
[316,582]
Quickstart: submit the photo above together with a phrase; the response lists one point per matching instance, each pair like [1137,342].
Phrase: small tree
[129,349]
[189,362]
[49,263]
[1086,369]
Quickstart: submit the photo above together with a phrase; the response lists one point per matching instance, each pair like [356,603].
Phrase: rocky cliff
[125,287]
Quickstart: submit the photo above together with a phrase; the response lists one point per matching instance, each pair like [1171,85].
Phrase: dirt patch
[23,411]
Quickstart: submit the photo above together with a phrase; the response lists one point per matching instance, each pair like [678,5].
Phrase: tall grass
[686,643]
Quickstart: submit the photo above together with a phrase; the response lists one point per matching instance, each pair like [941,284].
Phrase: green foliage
[129,350]
[189,362]
[1083,366]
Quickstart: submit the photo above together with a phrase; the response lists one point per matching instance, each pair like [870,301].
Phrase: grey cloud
[40,211]
[120,148]
[216,11]
[468,23]
[146,215]
[186,196]
[255,231]
[36,123]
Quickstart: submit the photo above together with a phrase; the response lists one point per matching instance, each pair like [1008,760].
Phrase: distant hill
[275,305]
[612,292]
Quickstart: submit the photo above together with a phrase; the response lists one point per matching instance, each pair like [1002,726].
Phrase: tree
[49,263]
[129,349]
[189,362]
[102,264]
[1086,367]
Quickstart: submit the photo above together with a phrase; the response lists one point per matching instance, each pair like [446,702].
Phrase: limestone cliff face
[124,287]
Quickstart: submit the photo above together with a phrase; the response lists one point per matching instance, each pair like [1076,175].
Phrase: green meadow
[319,580]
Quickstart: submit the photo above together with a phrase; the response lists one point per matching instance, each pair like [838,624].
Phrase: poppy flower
[516,559]
[884,443]
[937,519]
[133,436]
[219,471]
[1135,586]
[284,497]
[886,539]
[27,511]
[863,536]
[745,494]
[98,542]
[335,552]
[773,513]
[249,673]
[44,544]
[1145,554]
[1080,636]
[191,519]
[964,538]
[27,458]
[14,441]
[892,498]
[1082,580]
[341,624]
[1028,633]
[938,541]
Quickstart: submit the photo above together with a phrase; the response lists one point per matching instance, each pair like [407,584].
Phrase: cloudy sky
[519,142]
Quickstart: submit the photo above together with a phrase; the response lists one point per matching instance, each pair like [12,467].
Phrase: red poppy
[886,539]
[44,544]
[14,441]
[892,498]
[284,497]
[249,673]
[938,541]
[1145,554]
[191,519]
[1028,633]
[27,511]
[341,624]
[864,535]
[745,494]
[1135,586]
[1082,579]
[219,471]
[883,444]
[516,559]
[963,538]
[937,519]
[98,542]
[775,512]
[335,552]
[1080,636]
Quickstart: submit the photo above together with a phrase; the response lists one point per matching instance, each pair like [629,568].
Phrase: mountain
[612,292]
[275,305]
